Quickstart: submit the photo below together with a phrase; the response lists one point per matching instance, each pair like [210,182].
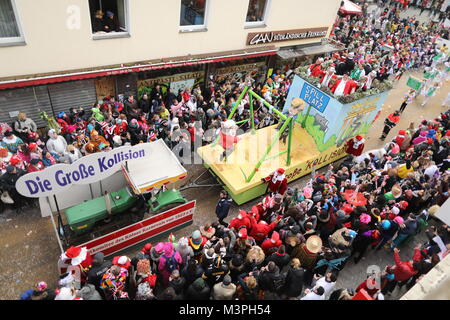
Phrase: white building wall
[154,32]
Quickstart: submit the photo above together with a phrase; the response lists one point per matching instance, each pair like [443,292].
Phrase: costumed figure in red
[355,146]
[325,80]
[344,86]
[277,182]
[260,230]
[228,138]
[76,261]
[242,220]
[315,70]
[271,243]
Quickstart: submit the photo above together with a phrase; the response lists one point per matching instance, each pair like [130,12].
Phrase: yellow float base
[250,149]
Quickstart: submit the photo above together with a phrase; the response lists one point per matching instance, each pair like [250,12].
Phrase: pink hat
[307,192]
[364,218]
[41,286]
[399,220]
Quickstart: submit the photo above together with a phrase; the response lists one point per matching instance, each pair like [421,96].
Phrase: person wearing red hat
[244,242]
[242,220]
[122,261]
[276,182]
[261,229]
[271,243]
[146,250]
[76,258]
[355,146]
[17,162]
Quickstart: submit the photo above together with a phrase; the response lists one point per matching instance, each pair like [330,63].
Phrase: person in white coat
[56,144]
[316,293]
[327,282]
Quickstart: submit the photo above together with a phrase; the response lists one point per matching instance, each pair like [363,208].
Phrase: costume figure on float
[315,70]
[355,146]
[344,86]
[276,182]
[369,80]
[228,138]
[297,106]
[325,81]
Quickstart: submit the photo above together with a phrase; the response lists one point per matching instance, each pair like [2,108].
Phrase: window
[109,18]
[10,32]
[257,13]
[193,15]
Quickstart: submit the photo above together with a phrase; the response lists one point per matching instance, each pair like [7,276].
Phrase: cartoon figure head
[297,106]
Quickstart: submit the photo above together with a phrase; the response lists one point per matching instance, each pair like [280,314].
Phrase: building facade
[69,53]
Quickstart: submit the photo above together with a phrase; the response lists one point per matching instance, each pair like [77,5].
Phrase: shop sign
[256,38]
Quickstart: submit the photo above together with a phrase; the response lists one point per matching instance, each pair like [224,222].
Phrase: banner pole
[54,226]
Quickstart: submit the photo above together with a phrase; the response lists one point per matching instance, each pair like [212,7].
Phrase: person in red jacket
[277,182]
[390,122]
[325,80]
[260,230]
[271,243]
[242,219]
[35,165]
[121,126]
[228,138]
[405,270]
[315,70]
[344,86]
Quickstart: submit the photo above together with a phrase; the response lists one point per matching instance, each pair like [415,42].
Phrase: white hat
[117,139]
[395,210]
[122,260]
[65,294]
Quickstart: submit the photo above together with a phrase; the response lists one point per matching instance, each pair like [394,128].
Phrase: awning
[23,81]
[160,168]
[350,8]
[307,51]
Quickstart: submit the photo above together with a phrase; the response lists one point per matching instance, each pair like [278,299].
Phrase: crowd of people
[381,45]
[294,243]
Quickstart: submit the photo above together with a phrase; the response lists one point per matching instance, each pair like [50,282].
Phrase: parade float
[113,200]
[315,138]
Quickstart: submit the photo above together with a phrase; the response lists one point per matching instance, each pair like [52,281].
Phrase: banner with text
[88,169]
[143,230]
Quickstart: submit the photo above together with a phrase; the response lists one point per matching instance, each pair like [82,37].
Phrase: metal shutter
[30,100]
[72,94]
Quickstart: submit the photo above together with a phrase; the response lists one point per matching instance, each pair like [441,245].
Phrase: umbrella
[355,198]
[350,8]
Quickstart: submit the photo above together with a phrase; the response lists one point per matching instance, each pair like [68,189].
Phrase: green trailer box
[82,217]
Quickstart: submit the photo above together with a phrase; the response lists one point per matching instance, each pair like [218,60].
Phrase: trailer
[137,198]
